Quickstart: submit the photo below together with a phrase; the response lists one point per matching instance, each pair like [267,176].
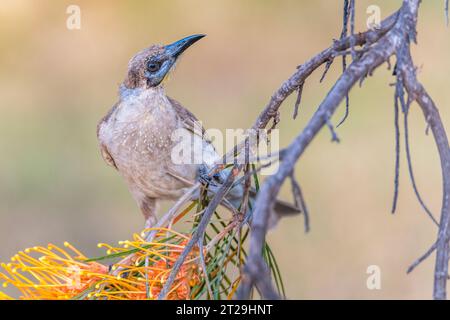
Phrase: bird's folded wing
[103,149]
[188,119]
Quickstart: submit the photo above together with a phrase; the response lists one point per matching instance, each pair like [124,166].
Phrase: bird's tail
[235,195]
[281,208]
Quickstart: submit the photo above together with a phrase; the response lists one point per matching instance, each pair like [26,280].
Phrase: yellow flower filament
[55,273]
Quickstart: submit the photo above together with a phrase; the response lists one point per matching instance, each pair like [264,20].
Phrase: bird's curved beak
[178,47]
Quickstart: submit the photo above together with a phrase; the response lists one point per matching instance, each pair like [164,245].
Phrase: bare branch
[395,39]
[431,114]
[306,69]
[381,49]
[268,192]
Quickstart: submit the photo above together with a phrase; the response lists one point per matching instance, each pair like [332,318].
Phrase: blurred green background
[55,84]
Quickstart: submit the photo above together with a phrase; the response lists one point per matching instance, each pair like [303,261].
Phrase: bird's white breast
[138,135]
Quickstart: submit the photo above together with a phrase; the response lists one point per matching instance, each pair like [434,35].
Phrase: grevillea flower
[5,297]
[65,273]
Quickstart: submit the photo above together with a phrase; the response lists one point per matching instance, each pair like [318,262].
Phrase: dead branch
[431,114]
[306,69]
[391,41]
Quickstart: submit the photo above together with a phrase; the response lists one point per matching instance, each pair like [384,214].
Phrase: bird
[136,135]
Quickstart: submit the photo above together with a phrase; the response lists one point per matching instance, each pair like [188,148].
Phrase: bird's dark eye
[153,66]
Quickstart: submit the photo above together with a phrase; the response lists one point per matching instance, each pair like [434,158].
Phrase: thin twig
[203,265]
[352,27]
[306,69]
[411,171]
[422,258]
[446,12]
[298,100]
[334,136]
[173,210]
[397,154]
[325,71]
[300,200]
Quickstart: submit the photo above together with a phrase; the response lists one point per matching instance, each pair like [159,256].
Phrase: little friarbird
[135,136]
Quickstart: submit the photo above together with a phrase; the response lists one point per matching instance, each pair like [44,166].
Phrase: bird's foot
[205,178]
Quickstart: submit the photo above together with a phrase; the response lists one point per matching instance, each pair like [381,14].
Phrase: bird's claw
[205,178]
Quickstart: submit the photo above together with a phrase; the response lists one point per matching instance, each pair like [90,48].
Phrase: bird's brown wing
[103,149]
[191,123]
[107,156]
[188,119]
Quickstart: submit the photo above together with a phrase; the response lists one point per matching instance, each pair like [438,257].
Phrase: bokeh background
[55,84]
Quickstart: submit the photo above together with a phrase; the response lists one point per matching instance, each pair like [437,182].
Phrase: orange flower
[55,273]
[5,297]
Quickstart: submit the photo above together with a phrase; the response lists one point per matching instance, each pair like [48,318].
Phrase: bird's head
[149,67]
